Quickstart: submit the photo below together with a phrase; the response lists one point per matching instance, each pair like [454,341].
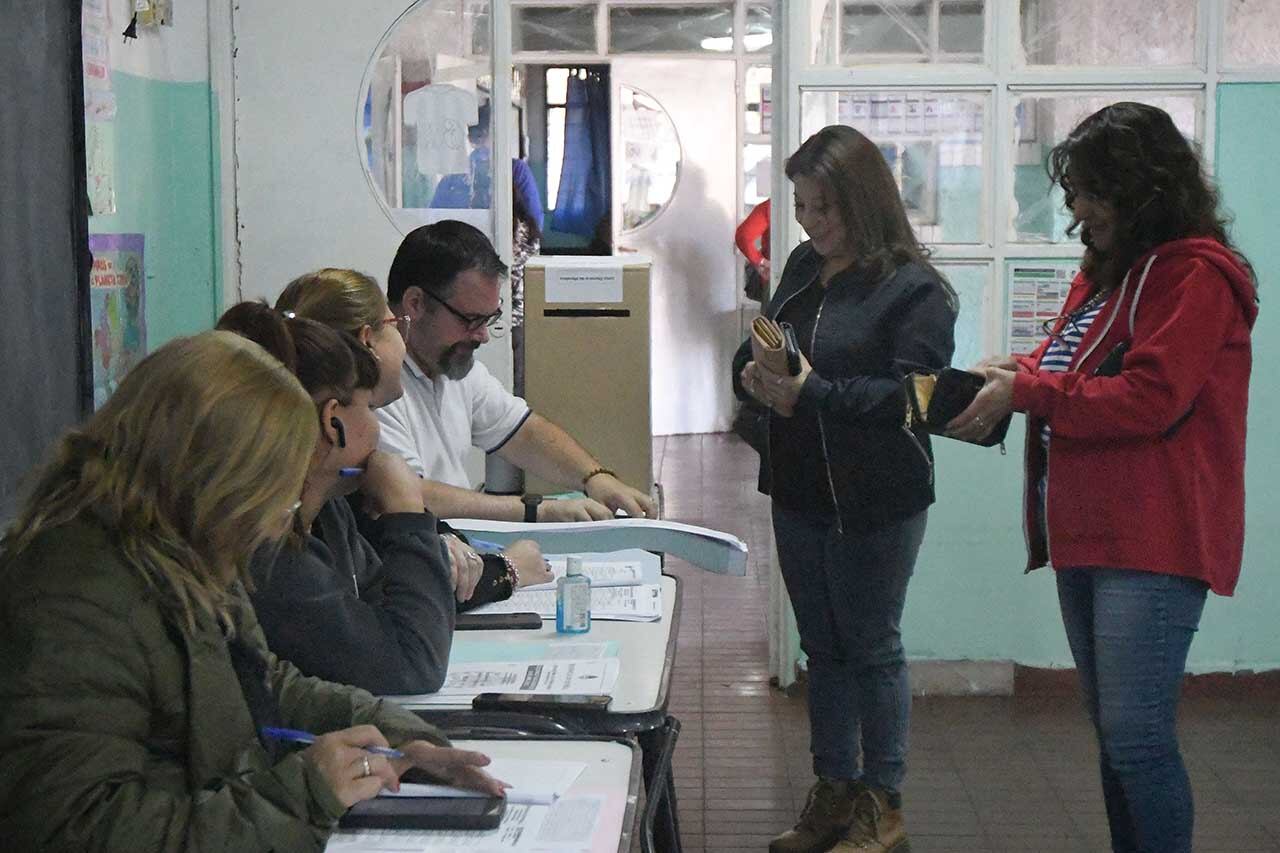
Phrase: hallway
[985,773]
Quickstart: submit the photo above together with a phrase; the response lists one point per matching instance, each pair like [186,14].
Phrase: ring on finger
[366,769]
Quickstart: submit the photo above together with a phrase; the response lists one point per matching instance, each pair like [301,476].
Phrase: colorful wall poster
[116,292]
[1037,291]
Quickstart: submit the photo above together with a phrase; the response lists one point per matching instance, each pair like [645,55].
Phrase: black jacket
[866,337]
[339,611]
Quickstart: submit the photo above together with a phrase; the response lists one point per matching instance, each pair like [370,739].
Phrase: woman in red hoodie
[1135,410]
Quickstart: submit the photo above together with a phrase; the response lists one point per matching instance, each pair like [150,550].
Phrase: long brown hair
[1133,157]
[204,444]
[853,171]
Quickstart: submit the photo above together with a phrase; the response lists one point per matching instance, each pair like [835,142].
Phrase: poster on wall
[99,107]
[116,293]
[1037,292]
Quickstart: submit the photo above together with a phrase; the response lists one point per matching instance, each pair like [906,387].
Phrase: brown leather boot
[876,827]
[826,815]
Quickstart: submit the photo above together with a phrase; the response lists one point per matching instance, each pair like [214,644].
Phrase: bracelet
[511,578]
[594,471]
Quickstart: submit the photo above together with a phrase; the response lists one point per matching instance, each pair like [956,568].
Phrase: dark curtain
[583,199]
[44,277]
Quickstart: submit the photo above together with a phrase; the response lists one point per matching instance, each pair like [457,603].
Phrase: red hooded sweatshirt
[1146,466]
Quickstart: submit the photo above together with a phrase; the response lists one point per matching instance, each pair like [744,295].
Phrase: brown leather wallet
[774,348]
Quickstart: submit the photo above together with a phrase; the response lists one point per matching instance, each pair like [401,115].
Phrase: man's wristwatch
[530,507]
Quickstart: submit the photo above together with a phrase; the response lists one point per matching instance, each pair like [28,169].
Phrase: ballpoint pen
[297,736]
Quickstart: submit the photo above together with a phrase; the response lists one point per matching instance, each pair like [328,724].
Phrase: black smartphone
[425,813]
[497,621]
[540,702]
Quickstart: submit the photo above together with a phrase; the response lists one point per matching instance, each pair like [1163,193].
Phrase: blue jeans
[1129,633]
[848,591]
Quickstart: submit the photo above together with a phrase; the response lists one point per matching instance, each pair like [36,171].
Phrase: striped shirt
[1062,349]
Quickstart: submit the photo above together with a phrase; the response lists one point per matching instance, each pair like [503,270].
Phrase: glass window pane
[960,27]
[665,29]
[1068,32]
[651,150]
[758,101]
[972,283]
[557,85]
[756,165]
[555,153]
[427,124]
[1042,120]
[885,32]
[1253,33]
[758,37]
[1036,289]
[935,143]
[554,28]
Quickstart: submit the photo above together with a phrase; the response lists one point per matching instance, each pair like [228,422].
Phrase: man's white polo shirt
[437,420]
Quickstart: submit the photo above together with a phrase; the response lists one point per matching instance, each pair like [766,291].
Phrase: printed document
[533,783]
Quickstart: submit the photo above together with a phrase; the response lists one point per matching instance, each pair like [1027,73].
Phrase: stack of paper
[533,783]
[467,680]
[626,586]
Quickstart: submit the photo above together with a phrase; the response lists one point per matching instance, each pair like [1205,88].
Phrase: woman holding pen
[135,682]
[366,604]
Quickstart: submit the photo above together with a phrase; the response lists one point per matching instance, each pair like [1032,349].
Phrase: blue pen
[350,472]
[307,737]
[480,544]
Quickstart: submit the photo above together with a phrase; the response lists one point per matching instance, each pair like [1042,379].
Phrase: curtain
[583,198]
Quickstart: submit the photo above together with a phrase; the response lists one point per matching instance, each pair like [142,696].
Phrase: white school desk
[612,773]
[646,655]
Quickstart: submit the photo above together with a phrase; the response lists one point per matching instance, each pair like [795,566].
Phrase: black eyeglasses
[474,322]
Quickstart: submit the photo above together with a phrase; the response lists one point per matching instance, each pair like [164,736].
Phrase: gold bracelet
[594,471]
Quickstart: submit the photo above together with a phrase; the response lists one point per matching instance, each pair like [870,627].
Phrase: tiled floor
[986,774]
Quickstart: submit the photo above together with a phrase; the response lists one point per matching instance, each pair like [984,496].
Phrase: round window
[651,151]
[422,121]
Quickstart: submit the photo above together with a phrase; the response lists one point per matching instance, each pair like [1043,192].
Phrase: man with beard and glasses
[446,278]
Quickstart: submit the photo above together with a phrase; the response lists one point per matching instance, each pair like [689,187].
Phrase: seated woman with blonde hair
[135,683]
[352,302]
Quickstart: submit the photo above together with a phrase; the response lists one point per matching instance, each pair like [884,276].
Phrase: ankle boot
[876,828]
[826,815]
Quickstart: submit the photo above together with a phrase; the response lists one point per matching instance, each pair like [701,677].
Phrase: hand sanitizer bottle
[573,600]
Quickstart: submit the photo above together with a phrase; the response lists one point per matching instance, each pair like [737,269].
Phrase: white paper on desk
[568,827]
[639,603]
[518,830]
[606,569]
[533,783]
[709,549]
[535,676]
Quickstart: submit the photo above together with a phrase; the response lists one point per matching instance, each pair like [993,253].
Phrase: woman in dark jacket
[134,681]
[850,481]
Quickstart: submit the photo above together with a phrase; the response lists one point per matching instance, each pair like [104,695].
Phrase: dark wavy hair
[862,187]
[1133,157]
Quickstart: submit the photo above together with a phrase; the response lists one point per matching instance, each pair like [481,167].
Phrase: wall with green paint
[167,180]
[970,599]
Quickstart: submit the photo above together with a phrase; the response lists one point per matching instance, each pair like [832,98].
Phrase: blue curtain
[583,198]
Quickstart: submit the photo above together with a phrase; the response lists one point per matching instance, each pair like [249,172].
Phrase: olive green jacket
[121,731]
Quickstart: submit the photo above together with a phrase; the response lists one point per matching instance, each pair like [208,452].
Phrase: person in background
[375,611]
[446,278]
[752,240]
[1137,403]
[850,483]
[352,302]
[135,682]
[475,190]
